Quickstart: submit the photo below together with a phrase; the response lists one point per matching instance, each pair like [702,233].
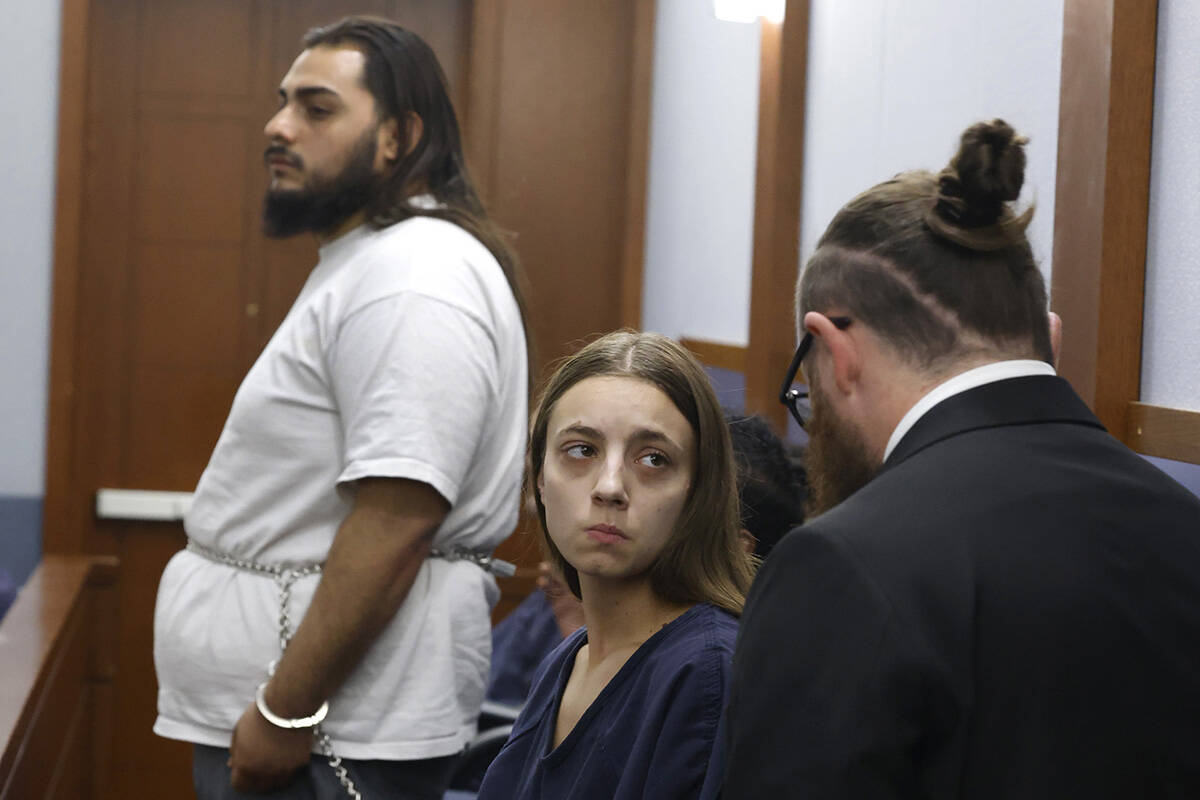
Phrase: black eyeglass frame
[791,397]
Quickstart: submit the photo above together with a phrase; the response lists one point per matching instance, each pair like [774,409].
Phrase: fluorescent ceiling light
[749,10]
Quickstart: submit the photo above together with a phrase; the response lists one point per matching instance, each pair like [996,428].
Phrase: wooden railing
[57,662]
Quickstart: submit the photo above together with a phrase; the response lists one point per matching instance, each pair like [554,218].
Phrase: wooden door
[177,290]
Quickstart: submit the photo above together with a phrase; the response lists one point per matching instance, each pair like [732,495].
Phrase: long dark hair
[404,76]
[703,561]
[939,265]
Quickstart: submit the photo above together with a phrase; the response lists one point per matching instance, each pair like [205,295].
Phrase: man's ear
[416,129]
[843,350]
[387,143]
[390,136]
[1055,336]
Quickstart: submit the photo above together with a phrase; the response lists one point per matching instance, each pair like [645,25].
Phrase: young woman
[634,482]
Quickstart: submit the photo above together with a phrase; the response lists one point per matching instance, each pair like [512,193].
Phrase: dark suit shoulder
[825,674]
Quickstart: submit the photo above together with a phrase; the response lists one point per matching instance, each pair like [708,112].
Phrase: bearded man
[326,632]
[995,598]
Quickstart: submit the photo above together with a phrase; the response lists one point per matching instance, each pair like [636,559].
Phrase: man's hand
[263,757]
[375,557]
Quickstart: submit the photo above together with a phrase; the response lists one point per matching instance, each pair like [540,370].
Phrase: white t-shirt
[403,357]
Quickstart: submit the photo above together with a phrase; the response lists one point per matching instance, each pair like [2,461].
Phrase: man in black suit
[995,599]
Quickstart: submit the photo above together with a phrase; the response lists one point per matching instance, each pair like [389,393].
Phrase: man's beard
[836,460]
[324,203]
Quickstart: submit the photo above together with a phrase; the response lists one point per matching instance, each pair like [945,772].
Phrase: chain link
[484,561]
[284,578]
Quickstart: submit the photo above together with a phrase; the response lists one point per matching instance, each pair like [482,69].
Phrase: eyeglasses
[797,400]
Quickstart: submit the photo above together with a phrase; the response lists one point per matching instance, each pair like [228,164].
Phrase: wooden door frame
[62,528]
[779,185]
[1102,207]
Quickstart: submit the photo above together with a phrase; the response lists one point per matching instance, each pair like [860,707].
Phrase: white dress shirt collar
[988,373]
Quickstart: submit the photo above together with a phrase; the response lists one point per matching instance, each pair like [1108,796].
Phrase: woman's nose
[610,484]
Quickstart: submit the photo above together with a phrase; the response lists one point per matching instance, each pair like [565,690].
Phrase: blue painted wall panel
[20,536]
[1186,474]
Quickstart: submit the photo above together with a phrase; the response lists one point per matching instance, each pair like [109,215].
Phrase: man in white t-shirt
[333,602]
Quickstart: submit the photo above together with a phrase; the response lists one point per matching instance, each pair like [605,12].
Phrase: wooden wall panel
[181,307]
[104,276]
[68,201]
[1102,198]
[181,411]
[715,354]
[1172,433]
[68,776]
[637,164]
[778,182]
[185,172]
[177,59]
[482,109]
[561,103]
[444,25]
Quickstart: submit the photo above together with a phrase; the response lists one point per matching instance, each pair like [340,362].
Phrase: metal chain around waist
[284,578]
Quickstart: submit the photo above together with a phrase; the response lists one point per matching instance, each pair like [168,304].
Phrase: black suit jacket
[1009,609]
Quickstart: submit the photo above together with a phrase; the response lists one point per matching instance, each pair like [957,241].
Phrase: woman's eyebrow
[652,436]
[640,436]
[580,429]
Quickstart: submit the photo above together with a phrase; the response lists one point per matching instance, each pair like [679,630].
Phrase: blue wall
[20,535]
[1186,474]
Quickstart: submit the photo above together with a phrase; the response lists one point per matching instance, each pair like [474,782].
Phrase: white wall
[1171,332]
[700,188]
[28,115]
[893,83]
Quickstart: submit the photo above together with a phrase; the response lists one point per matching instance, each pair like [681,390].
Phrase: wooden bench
[57,662]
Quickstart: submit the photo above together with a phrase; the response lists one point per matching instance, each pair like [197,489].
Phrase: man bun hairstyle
[974,190]
[940,265]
